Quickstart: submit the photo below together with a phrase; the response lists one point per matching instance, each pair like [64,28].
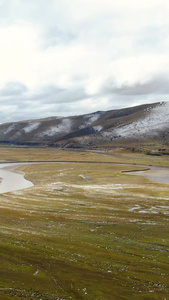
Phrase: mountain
[129,128]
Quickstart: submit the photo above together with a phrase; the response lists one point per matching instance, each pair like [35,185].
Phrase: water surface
[11,180]
[157,174]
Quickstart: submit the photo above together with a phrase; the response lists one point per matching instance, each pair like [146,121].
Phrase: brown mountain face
[141,126]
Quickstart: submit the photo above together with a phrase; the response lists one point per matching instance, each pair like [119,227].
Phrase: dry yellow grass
[85,230]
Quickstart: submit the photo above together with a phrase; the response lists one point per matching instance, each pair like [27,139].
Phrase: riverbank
[11,179]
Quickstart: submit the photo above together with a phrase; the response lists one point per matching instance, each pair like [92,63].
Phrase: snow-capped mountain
[111,128]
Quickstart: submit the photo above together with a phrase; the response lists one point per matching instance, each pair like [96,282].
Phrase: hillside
[129,127]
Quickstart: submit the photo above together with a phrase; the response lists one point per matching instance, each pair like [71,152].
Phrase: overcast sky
[67,57]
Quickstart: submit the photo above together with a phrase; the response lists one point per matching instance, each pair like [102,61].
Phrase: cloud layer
[75,57]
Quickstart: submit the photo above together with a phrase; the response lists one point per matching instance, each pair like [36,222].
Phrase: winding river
[12,180]
[157,174]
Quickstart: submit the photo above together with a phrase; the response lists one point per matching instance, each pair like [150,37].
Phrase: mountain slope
[116,127]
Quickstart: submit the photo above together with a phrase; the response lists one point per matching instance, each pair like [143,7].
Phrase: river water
[157,174]
[11,180]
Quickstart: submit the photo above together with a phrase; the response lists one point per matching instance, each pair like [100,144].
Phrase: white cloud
[18,53]
[80,45]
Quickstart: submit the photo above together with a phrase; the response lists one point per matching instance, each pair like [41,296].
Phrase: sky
[73,57]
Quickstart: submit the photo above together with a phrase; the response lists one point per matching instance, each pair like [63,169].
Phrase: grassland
[85,230]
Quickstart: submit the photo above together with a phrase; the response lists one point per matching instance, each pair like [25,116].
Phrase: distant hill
[135,127]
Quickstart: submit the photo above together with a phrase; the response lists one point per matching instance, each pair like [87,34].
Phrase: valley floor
[85,230]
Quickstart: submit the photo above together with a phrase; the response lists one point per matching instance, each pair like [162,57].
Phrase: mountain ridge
[114,128]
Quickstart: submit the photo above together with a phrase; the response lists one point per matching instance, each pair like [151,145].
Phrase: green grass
[85,230]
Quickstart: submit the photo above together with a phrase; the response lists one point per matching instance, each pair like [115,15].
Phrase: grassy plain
[85,230]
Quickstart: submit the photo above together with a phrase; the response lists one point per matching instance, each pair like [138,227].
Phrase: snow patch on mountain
[90,119]
[8,129]
[156,120]
[64,127]
[98,128]
[31,127]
